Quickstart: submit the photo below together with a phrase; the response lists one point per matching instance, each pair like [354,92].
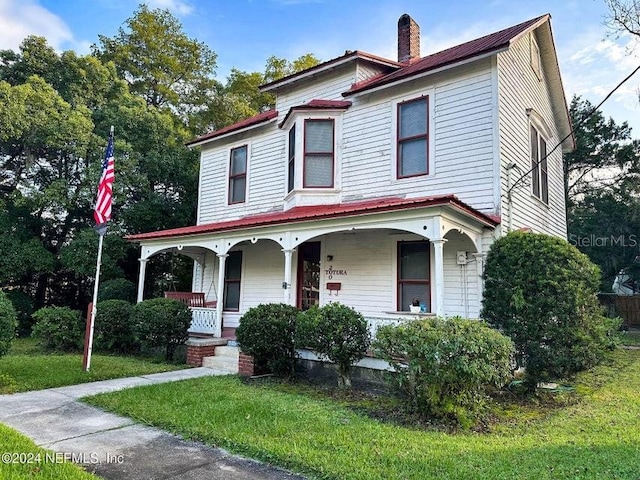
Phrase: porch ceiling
[318,212]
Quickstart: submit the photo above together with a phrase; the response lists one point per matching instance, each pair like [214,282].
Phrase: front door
[308,275]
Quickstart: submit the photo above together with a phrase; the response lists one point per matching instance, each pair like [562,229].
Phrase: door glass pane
[414,261]
[413,157]
[318,136]
[231,295]
[413,118]
[318,171]
[309,273]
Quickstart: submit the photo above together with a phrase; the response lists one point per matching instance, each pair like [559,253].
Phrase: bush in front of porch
[445,367]
[335,332]
[267,332]
[162,322]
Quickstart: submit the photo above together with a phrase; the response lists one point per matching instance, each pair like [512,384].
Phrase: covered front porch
[376,260]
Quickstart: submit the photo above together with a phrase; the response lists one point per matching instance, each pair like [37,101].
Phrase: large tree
[158,60]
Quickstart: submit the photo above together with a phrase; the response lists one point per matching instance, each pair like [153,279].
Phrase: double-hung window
[318,153]
[539,172]
[232,277]
[291,179]
[238,175]
[413,274]
[413,138]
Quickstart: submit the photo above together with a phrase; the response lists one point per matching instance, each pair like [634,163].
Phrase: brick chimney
[408,39]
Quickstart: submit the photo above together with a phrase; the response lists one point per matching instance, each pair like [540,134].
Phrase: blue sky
[244,33]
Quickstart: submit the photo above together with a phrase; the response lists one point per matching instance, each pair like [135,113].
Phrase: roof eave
[197,143]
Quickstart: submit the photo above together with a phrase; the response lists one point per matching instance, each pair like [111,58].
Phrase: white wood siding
[461,136]
[520,89]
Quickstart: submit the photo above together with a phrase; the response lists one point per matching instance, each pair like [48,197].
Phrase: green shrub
[162,322]
[445,367]
[117,289]
[59,329]
[8,323]
[268,333]
[337,333]
[24,310]
[542,292]
[113,330]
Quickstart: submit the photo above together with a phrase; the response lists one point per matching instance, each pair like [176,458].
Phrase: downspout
[510,167]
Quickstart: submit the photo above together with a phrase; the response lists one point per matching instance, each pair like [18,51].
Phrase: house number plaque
[330,272]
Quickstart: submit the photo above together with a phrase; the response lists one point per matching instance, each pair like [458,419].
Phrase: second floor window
[238,175]
[292,159]
[318,153]
[539,172]
[413,138]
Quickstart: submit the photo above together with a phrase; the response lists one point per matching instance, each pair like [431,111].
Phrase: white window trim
[227,192]
[537,122]
[431,167]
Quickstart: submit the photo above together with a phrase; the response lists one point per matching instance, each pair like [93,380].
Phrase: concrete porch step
[225,359]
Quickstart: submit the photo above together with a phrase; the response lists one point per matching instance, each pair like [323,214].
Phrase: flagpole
[101,228]
[94,303]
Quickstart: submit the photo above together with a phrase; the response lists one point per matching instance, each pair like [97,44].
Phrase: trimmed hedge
[267,332]
[162,322]
[335,332]
[117,289]
[59,329]
[542,292]
[445,367]
[113,330]
[23,305]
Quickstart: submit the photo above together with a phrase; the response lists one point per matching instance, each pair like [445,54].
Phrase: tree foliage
[8,323]
[542,292]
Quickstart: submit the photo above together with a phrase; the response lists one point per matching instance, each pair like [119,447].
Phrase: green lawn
[23,459]
[26,368]
[596,438]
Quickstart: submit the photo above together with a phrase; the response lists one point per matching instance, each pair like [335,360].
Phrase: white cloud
[177,7]
[21,19]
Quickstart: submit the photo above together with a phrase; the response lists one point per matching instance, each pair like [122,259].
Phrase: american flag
[102,211]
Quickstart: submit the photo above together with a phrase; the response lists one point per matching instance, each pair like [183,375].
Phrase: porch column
[480,270]
[288,254]
[222,260]
[143,269]
[438,266]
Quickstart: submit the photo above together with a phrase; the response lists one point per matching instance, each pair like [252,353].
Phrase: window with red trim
[232,278]
[238,175]
[413,138]
[539,172]
[318,153]
[414,274]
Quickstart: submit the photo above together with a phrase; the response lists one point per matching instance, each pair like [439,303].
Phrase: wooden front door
[308,275]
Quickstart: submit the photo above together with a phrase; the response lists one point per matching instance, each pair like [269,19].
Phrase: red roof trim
[246,123]
[348,56]
[317,104]
[465,51]
[317,212]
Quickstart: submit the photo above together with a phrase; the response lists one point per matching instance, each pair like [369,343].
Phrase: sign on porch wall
[330,272]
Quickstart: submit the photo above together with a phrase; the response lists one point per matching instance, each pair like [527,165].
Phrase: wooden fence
[625,306]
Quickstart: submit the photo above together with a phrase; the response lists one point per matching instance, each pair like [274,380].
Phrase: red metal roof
[247,122]
[474,48]
[347,57]
[317,212]
[317,104]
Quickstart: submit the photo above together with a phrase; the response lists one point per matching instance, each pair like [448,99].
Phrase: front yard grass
[23,459]
[594,436]
[630,338]
[27,368]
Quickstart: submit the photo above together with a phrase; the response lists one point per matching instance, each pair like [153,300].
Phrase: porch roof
[317,212]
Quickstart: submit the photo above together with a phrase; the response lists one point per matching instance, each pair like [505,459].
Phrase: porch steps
[225,359]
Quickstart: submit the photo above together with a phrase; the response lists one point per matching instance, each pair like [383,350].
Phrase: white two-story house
[374,182]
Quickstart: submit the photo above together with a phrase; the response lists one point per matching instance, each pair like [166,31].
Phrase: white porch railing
[203,320]
[376,322]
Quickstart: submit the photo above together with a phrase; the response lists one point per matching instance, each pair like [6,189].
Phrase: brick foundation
[245,365]
[198,348]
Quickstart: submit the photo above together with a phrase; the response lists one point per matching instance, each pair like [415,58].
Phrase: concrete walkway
[117,448]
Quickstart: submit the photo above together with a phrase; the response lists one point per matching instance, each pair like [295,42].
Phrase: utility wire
[573,128]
